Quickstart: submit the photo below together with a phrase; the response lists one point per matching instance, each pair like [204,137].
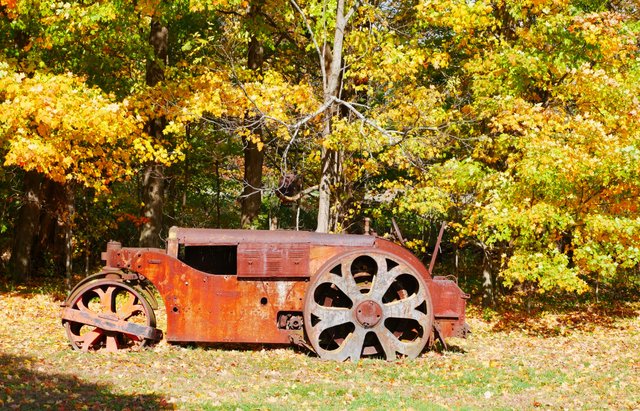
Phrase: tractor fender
[141,285]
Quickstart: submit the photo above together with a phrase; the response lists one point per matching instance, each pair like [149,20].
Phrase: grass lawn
[578,360]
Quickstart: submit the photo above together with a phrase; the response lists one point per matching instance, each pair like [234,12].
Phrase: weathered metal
[108,313]
[344,296]
[368,303]
[111,322]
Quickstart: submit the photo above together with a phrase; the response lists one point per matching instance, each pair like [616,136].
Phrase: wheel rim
[368,305]
[114,300]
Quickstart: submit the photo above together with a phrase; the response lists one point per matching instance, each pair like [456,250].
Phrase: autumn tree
[245,74]
[153,176]
[94,144]
[361,51]
[543,173]
[61,38]
[514,122]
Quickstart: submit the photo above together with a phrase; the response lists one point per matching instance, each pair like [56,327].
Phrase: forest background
[515,122]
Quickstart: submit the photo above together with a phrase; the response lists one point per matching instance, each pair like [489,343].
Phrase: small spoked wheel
[107,302]
[368,304]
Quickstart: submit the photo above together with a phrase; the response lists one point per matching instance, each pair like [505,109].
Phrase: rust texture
[343,296]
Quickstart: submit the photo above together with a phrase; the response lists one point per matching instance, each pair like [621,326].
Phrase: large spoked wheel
[111,301]
[368,304]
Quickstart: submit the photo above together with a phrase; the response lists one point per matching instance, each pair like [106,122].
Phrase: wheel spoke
[330,317]
[91,338]
[381,262]
[348,286]
[350,348]
[346,283]
[392,345]
[129,308]
[81,306]
[112,343]
[133,310]
[405,308]
[106,299]
[383,281]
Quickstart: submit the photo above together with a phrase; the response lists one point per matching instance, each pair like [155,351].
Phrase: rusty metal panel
[118,257]
[448,300]
[449,303]
[452,328]
[220,308]
[286,260]
[207,236]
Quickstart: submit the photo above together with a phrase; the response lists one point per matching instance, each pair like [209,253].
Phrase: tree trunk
[159,40]
[153,181]
[27,223]
[488,297]
[327,181]
[27,227]
[68,234]
[49,251]
[153,198]
[251,195]
[251,199]
[218,192]
[330,159]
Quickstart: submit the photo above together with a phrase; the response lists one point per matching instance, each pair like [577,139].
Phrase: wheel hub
[368,313]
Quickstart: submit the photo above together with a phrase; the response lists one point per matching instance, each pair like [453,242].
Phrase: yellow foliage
[217,94]
[56,125]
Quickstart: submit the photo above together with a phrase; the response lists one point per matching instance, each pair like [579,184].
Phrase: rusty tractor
[341,296]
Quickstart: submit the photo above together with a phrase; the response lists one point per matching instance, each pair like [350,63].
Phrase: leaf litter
[594,364]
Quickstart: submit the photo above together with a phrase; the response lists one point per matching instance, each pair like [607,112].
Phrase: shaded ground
[26,385]
[581,360]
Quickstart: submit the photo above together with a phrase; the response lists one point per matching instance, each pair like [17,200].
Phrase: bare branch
[313,39]
[299,195]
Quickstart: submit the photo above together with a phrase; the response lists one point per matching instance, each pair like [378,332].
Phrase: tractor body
[343,296]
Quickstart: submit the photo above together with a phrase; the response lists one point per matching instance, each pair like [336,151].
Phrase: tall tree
[59,130]
[331,161]
[251,198]
[153,177]
[27,228]
[31,204]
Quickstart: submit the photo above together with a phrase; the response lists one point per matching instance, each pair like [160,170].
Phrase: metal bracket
[298,339]
[109,322]
[436,248]
[438,333]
